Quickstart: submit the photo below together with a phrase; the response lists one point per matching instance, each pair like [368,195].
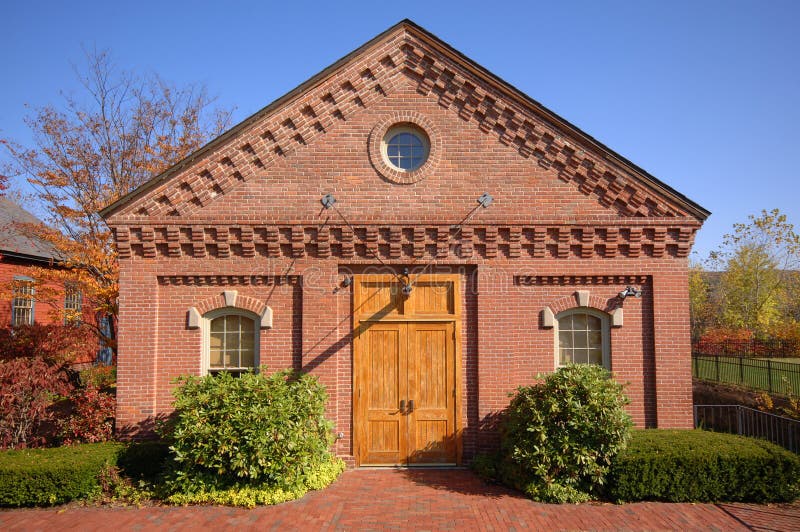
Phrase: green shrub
[146,460]
[40,477]
[701,466]
[559,436]
[258,494]
[256,432]
[486,465]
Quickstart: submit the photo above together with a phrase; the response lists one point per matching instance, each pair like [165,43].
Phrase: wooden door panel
[433,297]
[430,367]
[384,384]
[405,350]
[432,443]
[431,384]
[378,298]
[384,368]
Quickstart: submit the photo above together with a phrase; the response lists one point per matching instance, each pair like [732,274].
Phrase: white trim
[266,318]
[205,331]
[583,297]
[548,318]
[230,297]
[604,327]
[21,286]
[405,127]
[194,318]
[616,317]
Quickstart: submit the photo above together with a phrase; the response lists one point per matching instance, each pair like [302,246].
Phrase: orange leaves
[91,150]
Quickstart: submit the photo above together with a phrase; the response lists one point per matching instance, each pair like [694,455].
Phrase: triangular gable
[339,92]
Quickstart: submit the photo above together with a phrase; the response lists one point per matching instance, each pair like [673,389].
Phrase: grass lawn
[778,375]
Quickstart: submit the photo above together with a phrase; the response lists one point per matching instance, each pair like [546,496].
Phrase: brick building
[420,235]
[19,251]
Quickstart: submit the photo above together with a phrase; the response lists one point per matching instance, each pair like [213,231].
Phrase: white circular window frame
[398,129]
[605,328]
[400,122]
[205,328]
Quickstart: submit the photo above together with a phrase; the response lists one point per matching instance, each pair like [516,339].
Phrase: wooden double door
[406,390]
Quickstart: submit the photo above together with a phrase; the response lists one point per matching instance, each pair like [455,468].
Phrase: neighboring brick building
[19,251]
[230,258]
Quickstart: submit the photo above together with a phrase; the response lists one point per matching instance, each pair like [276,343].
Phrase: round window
[405,148]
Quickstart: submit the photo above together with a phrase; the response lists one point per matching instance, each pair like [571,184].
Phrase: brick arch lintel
[230,299]
[582,299]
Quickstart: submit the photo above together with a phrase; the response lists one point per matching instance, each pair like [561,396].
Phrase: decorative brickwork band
[404,243]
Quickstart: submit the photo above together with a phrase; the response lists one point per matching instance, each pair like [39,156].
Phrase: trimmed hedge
[41,477]
[702,466]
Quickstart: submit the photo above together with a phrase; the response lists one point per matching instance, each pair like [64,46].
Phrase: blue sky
[702,94]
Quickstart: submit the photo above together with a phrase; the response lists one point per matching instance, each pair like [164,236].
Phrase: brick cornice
[417,242]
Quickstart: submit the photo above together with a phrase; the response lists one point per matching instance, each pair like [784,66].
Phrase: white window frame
[19,281]
[405,128]
[72,294]
[205,328]
[605,328]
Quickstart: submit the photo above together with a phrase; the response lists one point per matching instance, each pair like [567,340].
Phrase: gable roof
[598,157]
[15,241]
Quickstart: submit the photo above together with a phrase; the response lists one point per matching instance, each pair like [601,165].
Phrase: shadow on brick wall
[145,430]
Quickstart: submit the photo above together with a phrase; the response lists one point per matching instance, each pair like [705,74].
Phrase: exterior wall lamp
[631,291]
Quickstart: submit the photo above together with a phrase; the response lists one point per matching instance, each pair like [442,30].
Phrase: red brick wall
[42,312]
[503,342]
[551,230]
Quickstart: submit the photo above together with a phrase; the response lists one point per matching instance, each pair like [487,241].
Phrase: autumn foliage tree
[757,281]
[93,148]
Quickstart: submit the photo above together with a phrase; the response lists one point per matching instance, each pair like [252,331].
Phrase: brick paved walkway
[415,500]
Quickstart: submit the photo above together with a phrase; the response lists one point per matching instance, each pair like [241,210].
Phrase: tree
[92,149]
[701,309]
[757,261]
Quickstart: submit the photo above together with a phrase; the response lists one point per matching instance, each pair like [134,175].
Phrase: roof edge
[33,258]
[694,208]
[221,139]
[700,212]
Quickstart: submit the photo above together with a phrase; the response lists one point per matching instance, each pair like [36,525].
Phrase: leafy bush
[28,387]
[99,376]
[40,477]
[92,419]
[701,466]
[560,436]
[145,460]
[55,344]
[485,465]
[248,495]
[255,432]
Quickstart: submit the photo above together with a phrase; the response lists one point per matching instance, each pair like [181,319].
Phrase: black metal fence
[737,419]
[755,373]
[772,348]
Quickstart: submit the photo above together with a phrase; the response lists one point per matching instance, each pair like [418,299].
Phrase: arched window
[230,341]
[582,337]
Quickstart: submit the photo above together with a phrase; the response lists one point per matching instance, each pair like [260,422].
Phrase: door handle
[410,406]
[403,406]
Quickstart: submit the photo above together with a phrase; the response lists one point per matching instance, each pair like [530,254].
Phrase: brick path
[416,500]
